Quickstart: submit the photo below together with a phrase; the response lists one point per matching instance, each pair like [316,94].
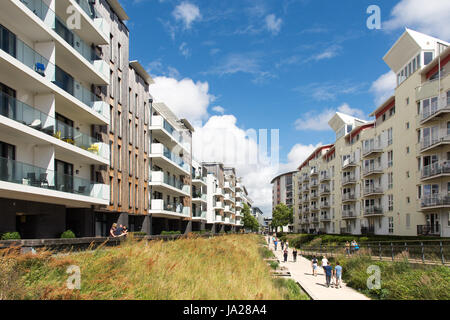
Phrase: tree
[250,221]
[282,215]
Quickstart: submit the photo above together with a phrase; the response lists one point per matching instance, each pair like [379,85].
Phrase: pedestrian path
[315,287]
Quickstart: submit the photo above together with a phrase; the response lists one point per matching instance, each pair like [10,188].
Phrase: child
[338,274]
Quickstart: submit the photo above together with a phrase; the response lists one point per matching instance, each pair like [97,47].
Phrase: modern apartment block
[388,176]
[51,77]
[283,192]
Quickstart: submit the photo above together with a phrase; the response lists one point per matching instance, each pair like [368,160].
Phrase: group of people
[118,231]
[328,271]
[352,247]
[284,248]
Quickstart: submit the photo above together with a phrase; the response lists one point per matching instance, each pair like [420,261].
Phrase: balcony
[228,185]
[436,170]
[325,176]
[373,191]
[314,195]
[199,180]
[324,190]
[430,89]
[169,183]
[435,201]
[26,115]
[94,27]
[348,179]
[373,211]
[324,205]
[219,219]
[314,172]
[348,214]
[372,150]
[305,178]
[161,208]
[306,209]
[347,197]
[314,208]
[228,197]
[239,204]
[348,163]
[218,205]
[29,182]
[35,73]
[163,131]
[325,218]
[199,197]
[199,214]
[71,38]
[315,219]
[239,186]
[228,209]
[163,156]
[314,184]
[305,189]
[372,170]
[441,139]
[428,230]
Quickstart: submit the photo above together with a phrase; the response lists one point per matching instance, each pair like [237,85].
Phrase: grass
[223,268]
[399,280]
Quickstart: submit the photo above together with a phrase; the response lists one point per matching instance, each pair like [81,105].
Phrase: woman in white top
[324,261]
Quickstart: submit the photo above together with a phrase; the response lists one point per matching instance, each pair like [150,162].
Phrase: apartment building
[387,176]
[170,171]
[283,192]
[199,196]
[258,214]
[51,76]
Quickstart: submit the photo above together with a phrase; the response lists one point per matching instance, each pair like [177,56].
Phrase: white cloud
[328,53]
[384,87]
[219,109]
[186,98]
[326,91]
[430,17]
[319,122]
[221,140]
[184,50]
[187,13]
[273,24]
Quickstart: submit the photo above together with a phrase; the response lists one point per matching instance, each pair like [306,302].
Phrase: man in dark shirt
[328,271]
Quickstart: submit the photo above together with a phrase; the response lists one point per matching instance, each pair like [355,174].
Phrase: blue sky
[284,64]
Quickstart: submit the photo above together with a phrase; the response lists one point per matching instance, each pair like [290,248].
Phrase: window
[408,200]
[390,180]
[389,135]
[111,190]
[136,135]
[136,167]
[130,195]
[119,89]
[111,51]
[427,58]
[407,149]
[119,55]
[408,220]
[407,174]
[119,191]
[111,154]
[129,100]
[119,157]
[111,84]
[390,158]
[391,224]
[130,164]
[119,115]
[111,118]
[407,125]
[391,202]
[130,132]
[136,105]
[136,197]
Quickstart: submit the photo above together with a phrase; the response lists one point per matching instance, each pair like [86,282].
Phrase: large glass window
[427,57]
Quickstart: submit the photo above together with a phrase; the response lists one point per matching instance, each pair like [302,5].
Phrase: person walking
[314,266]
[328,270]
[338,275]
[287,244]
[282,245]
[294,254]
[324,261]
[347,247]
[352,246]
[285,254]
[275,243]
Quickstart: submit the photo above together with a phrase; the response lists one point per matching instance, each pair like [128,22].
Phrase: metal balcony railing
[373,168]
[373,210]
[349,179]
[348,214]
[372,190]
[435,200]
[441,137]
[435,169]
[372,148]
[348,196]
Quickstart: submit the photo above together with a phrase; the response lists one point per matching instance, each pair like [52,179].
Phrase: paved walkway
[301,271]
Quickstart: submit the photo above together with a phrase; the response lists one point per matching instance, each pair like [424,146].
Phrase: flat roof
[136,65]
[118,9]
[283,174]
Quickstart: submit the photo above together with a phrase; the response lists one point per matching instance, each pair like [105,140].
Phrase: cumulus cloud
[187,13]
[186,98]
[430,17]
[319,121]
[384,87]
[219,109]
[273,24]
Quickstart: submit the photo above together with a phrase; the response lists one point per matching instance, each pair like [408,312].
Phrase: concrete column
[188,227]
[123,219]
[202,226]
[147,225]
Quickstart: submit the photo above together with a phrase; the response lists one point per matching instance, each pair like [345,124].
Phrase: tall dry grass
[224,268]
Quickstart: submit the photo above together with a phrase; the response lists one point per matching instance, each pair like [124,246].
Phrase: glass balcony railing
[198,213]
[23,113]
[88,8]
[177,159]
[436,169]
[30,175]
[51,19]
[29,57]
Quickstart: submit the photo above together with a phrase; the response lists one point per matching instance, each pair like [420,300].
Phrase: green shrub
[68,235]
[274,265]
[10,236]
[169,233]
[290,289]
